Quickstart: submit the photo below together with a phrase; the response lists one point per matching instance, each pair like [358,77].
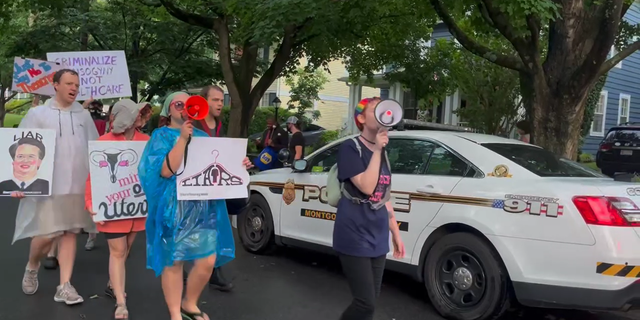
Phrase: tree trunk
[2,106]
[557,115]
[240,113]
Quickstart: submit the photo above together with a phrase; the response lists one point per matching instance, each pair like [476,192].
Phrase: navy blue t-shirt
[359,230]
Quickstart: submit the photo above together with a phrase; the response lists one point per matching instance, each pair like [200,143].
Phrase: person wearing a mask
[275,137]
[524,131]
[296,145]
[62,215]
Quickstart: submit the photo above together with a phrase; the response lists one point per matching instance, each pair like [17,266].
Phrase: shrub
[585,158]
[327,137]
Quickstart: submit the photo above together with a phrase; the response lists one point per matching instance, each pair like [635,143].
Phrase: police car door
[424,173]
[308,217]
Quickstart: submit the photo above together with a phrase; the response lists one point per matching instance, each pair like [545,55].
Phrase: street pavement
[290,285]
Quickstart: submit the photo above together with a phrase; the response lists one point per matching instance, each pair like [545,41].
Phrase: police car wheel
[465,278]
[255,226]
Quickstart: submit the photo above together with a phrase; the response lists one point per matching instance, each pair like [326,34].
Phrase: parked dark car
[619,151]
[311,133]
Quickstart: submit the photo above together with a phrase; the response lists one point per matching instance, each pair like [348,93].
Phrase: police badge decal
[289,192]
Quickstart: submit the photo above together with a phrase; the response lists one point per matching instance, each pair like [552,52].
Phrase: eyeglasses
[178,105]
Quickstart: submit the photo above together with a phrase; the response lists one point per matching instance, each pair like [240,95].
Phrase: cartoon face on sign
[112,159]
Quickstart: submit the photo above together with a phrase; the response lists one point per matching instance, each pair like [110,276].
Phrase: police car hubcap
[256,223]
[462,278]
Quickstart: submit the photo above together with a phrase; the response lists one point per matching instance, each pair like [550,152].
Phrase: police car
[485,221]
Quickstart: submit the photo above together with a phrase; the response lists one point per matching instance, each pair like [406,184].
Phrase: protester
[361,229]
[179,231]
[120,234]
[275,137]
[524,131]
[212,125]
[62,214]
[296,144]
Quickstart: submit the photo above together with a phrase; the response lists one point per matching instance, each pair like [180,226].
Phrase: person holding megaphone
[179,231]
[363,223]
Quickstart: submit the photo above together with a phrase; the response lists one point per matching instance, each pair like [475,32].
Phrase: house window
[384,93]
[599,115]
[612,54]
[227,99]
[623,108]
[267,99]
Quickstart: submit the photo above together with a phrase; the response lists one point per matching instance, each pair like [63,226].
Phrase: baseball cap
[125,112]
[292,120]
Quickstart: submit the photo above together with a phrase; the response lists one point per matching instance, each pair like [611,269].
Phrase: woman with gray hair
[127,117]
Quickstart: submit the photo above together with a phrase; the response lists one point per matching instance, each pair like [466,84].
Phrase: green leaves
[305,88]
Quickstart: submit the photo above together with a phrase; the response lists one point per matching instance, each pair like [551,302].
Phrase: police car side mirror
[300,165]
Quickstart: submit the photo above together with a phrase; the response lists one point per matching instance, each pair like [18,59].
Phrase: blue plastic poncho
[180,230]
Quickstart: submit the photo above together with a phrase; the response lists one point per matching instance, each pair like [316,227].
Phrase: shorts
[116,235]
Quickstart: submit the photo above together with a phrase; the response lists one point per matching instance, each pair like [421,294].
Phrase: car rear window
[623,135]
[540,161]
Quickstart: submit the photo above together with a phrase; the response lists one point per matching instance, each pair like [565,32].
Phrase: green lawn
[12,119]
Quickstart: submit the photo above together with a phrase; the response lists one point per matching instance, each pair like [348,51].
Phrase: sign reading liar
[103,74]
[34,76]
[214,170]
[115,187]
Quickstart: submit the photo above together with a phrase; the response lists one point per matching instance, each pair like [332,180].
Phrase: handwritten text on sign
[115,188]
[103,74]
[214,170]
[33,76]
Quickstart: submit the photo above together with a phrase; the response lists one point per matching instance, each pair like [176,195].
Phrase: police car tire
[496,298]
[267,244]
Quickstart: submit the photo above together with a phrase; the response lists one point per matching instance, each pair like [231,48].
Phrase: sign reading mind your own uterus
[103,74]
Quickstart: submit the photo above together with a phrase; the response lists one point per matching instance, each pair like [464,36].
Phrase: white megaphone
[388,112]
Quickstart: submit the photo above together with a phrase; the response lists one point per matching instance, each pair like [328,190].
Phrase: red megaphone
[196,107]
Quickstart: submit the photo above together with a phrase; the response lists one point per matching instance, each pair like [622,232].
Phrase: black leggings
[365,279]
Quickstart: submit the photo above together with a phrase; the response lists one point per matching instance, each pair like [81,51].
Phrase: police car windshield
[541,162]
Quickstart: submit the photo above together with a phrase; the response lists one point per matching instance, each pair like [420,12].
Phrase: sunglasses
[178,105]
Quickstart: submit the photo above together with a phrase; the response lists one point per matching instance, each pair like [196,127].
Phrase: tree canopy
[319,30]
[558,47]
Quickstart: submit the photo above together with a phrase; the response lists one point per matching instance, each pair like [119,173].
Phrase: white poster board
[27,156]
[34,76]
[214,170]
[116,192]
[103,74]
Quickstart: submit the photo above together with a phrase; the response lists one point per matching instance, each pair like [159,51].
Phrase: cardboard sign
[27,155]
[116,192]
[214,170]
[103,74]
[34,76]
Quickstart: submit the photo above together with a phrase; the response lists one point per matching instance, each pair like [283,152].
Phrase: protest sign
[28,157]
[34,76]
[214,170]
[103,74]
[116,192]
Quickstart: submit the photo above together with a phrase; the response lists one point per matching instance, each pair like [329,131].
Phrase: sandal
[193,316]
[121,312]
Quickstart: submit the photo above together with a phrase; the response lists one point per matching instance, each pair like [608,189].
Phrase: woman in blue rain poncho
[178,231]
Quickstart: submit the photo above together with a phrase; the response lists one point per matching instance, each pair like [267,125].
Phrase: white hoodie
[74,129]
[64,210]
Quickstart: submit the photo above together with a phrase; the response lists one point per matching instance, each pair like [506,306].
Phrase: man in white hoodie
[62,215]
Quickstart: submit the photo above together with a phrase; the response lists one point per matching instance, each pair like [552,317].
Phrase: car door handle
[429,189]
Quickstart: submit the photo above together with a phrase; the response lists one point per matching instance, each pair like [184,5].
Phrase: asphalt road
[290,285]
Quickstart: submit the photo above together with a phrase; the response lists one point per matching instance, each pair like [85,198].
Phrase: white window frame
[604,115]
[624,96]
[612,53]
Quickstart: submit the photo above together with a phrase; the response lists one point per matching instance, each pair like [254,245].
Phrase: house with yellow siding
[334,97]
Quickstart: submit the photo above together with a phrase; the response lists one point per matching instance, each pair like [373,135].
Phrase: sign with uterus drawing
[115,187]
[214,170]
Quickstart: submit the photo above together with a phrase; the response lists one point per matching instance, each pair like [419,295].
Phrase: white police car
[484,220]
